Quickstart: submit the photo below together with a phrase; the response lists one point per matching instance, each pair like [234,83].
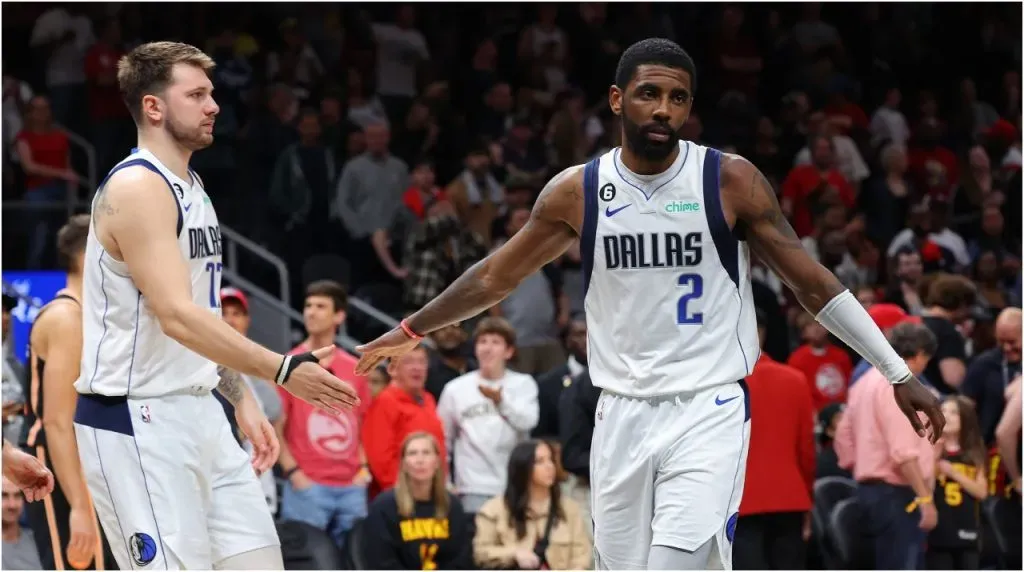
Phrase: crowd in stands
[405,142]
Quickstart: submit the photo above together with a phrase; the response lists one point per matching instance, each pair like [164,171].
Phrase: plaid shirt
[437,253]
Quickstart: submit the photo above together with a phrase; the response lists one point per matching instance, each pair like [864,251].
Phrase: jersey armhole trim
[590,214]
[151,167]
[725,242]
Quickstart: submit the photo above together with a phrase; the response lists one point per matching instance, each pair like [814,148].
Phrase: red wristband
[408,331]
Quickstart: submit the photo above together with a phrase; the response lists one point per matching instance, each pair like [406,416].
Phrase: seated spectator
[19,546]
[893,466]
[826,366]
[961,487]
[531,527]
[485,413]
[418,525]
[399,410]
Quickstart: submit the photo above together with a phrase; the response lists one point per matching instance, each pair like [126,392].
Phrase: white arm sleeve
[848,321]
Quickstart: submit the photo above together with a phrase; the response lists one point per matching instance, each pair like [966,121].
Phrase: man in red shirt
[402,408]
[826,366]
[321,455]
[808,185]
[774,521]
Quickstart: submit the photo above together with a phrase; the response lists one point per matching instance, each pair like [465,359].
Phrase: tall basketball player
[64,524]
[171,486]
[666,227]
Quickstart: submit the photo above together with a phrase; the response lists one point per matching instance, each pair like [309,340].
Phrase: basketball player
[172,487]
[666,227]
[64,524]
[26,472]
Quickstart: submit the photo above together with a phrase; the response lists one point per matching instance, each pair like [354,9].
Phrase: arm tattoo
[103,205]
[231,385]
[784,235]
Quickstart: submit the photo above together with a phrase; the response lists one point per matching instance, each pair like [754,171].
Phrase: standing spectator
[888,124]
[108,114]
[960,489]
[485,413]
[296,59]
[530,526]
[321,455]
[808,185]
[234,306]
[948,304]
[476,194]
[61,37]
[907,273]
[364,108]
[401,50]
[45,155]
[848,159]
[885,200]
[775,520]
[401,409]
[825,365]
[893,466]
[554,382]
[453,357]
[19,546]
[422,191]
[418,525]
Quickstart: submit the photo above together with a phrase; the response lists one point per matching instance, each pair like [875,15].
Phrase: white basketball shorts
[668,471]
[173,488]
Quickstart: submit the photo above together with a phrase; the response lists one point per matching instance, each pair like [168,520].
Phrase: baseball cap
[888,316]
[232,293]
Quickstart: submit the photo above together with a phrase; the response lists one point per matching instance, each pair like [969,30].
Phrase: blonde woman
[531,527]
[417,525]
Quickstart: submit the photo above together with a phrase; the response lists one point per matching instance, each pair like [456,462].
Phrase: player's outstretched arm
[136,216]
[752,203]
[550,231]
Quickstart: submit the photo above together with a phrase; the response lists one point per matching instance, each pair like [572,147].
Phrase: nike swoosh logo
[188,206]
[720,401]
[609,212]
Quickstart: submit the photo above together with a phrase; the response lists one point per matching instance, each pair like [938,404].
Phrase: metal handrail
[90,155]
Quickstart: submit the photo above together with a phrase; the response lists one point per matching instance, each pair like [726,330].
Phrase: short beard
[636,141]
[191,139]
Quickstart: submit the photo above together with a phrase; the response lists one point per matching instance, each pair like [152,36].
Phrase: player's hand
[27,473]
[527,559]
[392,344]
[929,516]
[254,424]
[82,546]
[494,394]
[315,385]
[912,396]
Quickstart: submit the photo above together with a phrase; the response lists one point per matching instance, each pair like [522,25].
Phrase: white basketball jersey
[124,351]
[667,284]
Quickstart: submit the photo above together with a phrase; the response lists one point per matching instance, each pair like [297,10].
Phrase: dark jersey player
[653,95]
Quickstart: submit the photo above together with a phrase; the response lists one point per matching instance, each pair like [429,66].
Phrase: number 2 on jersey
[695,284]
[213,268]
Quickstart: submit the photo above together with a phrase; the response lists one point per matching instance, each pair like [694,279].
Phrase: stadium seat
[846,533]
[354,559]
[327,267]
[828,492]
[304,547]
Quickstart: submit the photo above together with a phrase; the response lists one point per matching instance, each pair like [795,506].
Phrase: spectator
[888,124]
[296,60]
[13,394]
[775,520]
[401,409]
[321,456]
[992,293]
[452,358]
[476,194]
[807,186]
[848,159]
[437,252]
[401,49]
[530,526]
[893,466]
[364,109]
[61,37]
[886,317]
[827,464]
[886,199]
[422,191]
[45,155]
[991,372]
[961,487]
[826,367]
[552,384]
[949,303]
[19,546]
[235,309]
[926,148]
[906,283]
[577,408]
[485,413]
[418,525]
[107,112]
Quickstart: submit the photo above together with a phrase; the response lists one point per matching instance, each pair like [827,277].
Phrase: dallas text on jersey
[653,250]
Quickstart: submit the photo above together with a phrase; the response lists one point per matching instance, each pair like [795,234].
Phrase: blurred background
[387,147]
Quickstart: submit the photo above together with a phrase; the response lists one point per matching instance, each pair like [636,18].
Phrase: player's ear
[615,99]
[151,107]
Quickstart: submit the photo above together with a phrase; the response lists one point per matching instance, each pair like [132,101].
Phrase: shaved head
[1008,333]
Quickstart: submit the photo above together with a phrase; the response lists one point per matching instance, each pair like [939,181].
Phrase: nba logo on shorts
[142,547]
[145,414]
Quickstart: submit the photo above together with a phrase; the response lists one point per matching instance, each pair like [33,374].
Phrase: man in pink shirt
[893,466]
[322,458]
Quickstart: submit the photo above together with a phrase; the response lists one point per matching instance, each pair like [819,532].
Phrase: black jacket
[576,424]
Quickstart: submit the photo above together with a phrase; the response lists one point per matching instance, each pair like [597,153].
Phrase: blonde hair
[403,489]
[147,70]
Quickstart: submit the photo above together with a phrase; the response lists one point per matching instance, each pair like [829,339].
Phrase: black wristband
[289,363]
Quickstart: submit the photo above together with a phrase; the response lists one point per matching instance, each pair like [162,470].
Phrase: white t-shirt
[398,52]
[66,65]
